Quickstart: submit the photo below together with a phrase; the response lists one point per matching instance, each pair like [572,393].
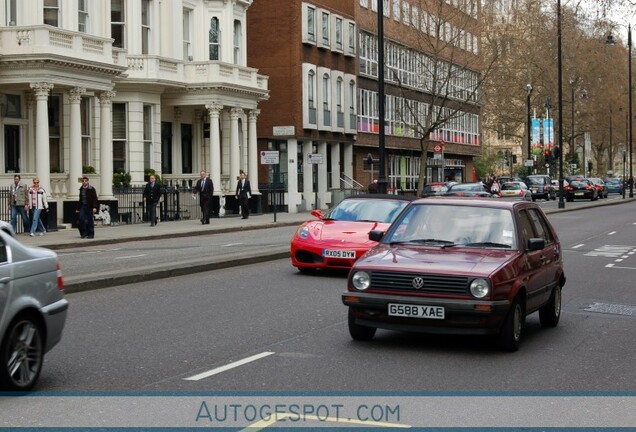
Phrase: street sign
[573,166]
[270,157]
[437,148]
[528,162]
[314,158]
[283,130]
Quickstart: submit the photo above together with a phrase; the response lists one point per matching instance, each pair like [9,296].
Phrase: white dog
[104,214]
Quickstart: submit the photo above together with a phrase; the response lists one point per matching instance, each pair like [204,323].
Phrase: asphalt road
[153,336]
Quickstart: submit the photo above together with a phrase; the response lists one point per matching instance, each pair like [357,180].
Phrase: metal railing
[176,203]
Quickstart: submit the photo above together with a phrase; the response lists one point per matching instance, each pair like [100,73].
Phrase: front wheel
[359,332]
[21,355]
[510,335]
[550,313]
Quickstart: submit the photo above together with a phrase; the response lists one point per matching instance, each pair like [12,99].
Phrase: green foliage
[88,169]
[55,170]
[487,162]
[121,178]
[148,172]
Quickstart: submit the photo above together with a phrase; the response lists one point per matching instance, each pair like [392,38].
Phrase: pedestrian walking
[37,203]
[18,202]
[152,194]
[88,205]
[205,189]
[243,194]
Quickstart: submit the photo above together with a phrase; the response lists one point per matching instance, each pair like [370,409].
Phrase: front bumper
[461,316]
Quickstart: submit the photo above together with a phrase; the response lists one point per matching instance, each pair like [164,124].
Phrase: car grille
[433,284]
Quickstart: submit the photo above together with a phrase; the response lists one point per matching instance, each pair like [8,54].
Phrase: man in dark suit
[205,189]
[243,194]
[152,194]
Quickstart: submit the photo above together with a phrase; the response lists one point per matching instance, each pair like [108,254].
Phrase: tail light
[60,278]
[589,187]
[521,193]
[569,188]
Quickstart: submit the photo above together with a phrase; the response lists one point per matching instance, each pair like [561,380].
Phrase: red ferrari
[341,235]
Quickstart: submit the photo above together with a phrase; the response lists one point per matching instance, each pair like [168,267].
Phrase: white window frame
[216,44]
[55,8]
[338,33]
[147,124]
[351,114]
[397,10]
[146,27]
[124,140]
[338,101]
[187,34]
[86,110]
[324,36]
[238,42]
[350,28]
[364,4]
[83,17]
[309,24]
[309,94]
[406,13]
[324,107]
[11,12]
[121,24]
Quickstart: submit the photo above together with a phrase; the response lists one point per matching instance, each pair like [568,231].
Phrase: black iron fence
[177,203]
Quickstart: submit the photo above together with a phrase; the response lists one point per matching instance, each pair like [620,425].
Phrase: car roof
[382,196]
[475,201]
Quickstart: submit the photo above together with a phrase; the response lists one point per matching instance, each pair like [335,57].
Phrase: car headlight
[303,232]
[361,280]
[480,288]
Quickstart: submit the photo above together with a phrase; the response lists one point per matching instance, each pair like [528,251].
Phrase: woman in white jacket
[37,203]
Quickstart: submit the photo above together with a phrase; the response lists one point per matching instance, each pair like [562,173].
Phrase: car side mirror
[376,235]
[316,213]
[536,244]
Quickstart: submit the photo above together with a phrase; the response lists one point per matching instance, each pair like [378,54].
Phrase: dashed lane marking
[577,246]
[228,366]
[130,256]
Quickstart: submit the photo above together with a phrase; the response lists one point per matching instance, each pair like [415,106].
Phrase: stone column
[335,165]
[75,153]
[252,153]
[42,152]
[347,164]
[323,195]
[105,191]
[293,197]
[214,110]
[308,185]
[235,151]
[177,160]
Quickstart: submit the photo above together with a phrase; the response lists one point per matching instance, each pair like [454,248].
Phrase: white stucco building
[126,84]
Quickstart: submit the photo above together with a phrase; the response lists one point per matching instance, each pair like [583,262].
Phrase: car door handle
[5,280]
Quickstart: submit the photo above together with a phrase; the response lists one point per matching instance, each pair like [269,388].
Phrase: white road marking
[231,244]
[262,424]
[619,267]
[130,256]
[577,246]
[610,265]
[619,260]
[228,366]
[611,233]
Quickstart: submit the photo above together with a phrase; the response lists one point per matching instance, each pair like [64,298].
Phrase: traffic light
[590,166]
[557,152]
[514,158]
[546,153]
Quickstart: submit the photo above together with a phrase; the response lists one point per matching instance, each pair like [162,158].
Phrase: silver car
[32,311]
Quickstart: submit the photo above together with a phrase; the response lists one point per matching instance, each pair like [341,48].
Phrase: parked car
[601,189]
[555,184]
[434,189]
[614,185]
[516,189]
[459,267]
[32,311]
[340,236]
[7,228]
[478,189]
[581,188]
[541,187]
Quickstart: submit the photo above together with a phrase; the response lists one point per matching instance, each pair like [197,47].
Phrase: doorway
[11,148]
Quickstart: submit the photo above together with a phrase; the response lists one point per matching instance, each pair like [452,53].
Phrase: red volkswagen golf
[459,266]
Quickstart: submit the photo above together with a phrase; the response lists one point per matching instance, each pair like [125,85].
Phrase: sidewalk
[69,237]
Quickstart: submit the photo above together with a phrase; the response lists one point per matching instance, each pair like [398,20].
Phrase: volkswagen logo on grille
[418,283]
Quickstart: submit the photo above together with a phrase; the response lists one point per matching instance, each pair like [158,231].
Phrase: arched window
[215,39]
[339,96]
[326,94]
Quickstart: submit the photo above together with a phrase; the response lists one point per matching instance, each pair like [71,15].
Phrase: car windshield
[535,180]
[510,186]
[466,187]
[365,209]
[579,183]
[613,181]
[452,225]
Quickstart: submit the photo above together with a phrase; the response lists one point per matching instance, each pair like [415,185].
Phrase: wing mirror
[316,213]
[535,244]
[376,235]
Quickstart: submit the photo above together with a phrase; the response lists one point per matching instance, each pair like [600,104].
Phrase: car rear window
[536,180]
[511,186]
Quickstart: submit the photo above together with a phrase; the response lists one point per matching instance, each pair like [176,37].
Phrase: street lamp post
[382,183]
[529,88]
[560,95]
[629,90]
